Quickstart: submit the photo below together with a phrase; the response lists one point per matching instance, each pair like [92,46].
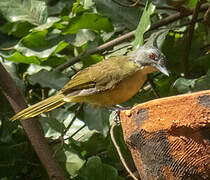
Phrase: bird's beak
[162,69]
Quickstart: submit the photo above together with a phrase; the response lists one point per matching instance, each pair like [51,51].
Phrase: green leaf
[19,58]
[82,37]
[96,119]
[33,11]
[163,85]
[184,85]
[191,3]
[35,44]
[69,158]
[34,40]
[123,17]
[88,4]
[78,8]
[49,23]
[51,79]
[90,21]
[53,124]
[203,83]
[17,29]
[157,39]
[120,49]
[43,53]
[143,26]
[54,60]
[59,7]
[95,170]
[93,144]
[59,47]
[93,59]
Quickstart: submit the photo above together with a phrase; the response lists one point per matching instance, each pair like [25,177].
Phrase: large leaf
[36,48]
[93,144]
[126,17]
[95,170]
[96,119]
[93,59]
[33,11]
[50,21]
[19,58]
[51,124]
[82,37]
[44,53]
[49,79]
[143,26]
[90,21]
[184,85]
[70,159]
[59,7]
[34,39]
[18,29]
[157,39]
[51,127]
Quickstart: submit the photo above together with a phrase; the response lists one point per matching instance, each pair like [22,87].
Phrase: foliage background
[37,36]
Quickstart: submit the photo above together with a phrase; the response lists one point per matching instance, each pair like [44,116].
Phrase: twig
[138,3]
[119,152]
[135,3]
[126,37]
[72,121]
[78,130]
[31,126]
[189,37]
[122,4]
[6,49]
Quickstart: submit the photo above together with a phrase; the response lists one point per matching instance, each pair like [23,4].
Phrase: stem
[119,152]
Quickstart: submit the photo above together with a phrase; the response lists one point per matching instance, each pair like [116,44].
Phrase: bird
[105,84]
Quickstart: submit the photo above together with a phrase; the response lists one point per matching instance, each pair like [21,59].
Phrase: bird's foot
[117,109]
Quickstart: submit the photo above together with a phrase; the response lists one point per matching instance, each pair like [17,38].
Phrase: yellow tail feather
[43,106]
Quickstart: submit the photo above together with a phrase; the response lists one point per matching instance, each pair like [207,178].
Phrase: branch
[138,3]
[31,126]
[189,37]
[119,152]
[125,37]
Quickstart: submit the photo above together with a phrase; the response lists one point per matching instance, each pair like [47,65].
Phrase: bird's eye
[152,56]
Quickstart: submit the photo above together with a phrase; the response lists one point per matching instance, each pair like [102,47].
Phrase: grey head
[149,56]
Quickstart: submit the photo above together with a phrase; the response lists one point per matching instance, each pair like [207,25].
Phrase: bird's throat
[148,69]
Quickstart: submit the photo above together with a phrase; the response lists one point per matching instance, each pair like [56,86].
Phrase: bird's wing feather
[101,76]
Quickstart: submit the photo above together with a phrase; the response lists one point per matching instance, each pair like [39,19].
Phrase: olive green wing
[79,81]
[101,76]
